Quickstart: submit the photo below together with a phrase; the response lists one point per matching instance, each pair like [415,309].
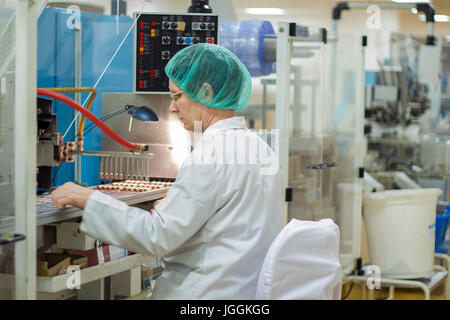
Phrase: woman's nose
[173,107]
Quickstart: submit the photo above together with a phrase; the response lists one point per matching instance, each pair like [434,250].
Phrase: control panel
[159,36]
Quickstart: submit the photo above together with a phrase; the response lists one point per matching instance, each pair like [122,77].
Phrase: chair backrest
[302,263]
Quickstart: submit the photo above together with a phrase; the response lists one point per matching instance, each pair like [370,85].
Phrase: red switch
[210,40]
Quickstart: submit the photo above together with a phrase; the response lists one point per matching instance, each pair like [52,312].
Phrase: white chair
[302,263]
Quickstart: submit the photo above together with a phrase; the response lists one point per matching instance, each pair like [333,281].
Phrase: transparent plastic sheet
[309,140]
[346,83]
[7,39]
[7,48]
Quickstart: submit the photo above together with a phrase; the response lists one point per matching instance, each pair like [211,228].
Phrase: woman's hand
[71,194]
[157,201]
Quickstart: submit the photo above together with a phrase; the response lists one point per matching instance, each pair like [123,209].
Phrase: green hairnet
[230,81]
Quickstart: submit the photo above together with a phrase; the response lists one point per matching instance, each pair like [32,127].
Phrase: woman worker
[223,211]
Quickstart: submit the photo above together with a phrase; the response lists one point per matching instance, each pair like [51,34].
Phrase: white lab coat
[213,229]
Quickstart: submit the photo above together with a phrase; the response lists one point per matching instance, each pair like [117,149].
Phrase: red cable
[91,116]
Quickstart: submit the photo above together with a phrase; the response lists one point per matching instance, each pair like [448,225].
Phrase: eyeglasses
[175,95]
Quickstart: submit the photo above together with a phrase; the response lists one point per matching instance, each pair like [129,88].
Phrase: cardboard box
[52,264]
[81,261]
[68,236]
[96,256]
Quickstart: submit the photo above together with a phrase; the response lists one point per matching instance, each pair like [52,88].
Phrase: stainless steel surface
[158,135]
[45,152]
[115,154]
[48,213]
[270,50]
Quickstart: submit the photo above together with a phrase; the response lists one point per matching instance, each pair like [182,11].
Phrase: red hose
[91,116]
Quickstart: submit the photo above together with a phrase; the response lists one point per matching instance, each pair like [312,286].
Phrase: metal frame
[283,67]
[439,275]
[425,7]
[284,53]
[25,149]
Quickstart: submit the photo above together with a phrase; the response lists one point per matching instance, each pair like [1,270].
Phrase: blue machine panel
[101,36]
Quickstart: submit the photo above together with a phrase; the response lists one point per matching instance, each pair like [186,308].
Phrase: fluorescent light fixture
[412,1]
[265,11]
[437,18]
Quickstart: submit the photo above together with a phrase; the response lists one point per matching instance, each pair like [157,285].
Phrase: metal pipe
[382,5]
[421,7]
[270,50]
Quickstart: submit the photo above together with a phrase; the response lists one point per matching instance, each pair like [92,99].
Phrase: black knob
[165,40]
[210,26]
[165,55]
[202,26]
[180,40]
[195,40]
[165,25]
[173,25]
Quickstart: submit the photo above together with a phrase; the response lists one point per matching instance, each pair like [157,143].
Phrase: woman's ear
[207,92]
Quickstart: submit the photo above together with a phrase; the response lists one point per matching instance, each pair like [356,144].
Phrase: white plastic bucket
[400,227]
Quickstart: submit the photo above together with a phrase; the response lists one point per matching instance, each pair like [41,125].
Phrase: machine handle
[7,238]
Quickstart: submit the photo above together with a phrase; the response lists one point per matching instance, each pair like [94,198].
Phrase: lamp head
[142,113]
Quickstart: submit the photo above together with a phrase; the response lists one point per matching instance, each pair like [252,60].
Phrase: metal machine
[70,146]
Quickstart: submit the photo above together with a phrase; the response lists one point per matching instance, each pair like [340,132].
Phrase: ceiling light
[265,11]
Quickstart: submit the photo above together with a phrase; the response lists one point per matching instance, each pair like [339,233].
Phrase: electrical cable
[107,66]
[92,94]
[93,118]
[348,292]
[92,126]
[55,174]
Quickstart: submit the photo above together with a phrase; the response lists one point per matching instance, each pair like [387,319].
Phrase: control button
[195,40]
[173,25]
[202,26]
[165,55]
[180,40]
[187,40]
[210,26]
[165,40]
[210,40]
[165,25]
